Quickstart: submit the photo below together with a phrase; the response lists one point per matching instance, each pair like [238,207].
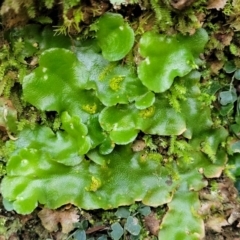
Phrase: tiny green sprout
[133,208]
[229,171]
[149,142]
[3,228]
[2,221]
[206,148]
[2,169]
[193,65]
[56,124]
[154,157]
[214,186]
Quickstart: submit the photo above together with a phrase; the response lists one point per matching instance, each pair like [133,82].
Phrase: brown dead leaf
[235,215]
[51,218]
[181,4]
[225,38]
[152,223]
[25,218]
[205,208]
[216,4]
[216,223]
[201,17]
[12,19]
[215,66]
[95,229]
[228,191]
[14,237]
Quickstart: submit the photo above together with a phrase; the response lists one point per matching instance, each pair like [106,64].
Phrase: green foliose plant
[103,104]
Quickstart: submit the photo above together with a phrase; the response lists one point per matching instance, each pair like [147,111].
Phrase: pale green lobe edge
[182,220]
[104,182]
[115,37]
[87,185]
[58,84]
[123,122]
[145,101]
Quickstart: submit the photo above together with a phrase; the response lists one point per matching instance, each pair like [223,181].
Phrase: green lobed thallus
[103,104]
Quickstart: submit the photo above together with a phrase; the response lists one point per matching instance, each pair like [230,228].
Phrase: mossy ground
[220,202]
